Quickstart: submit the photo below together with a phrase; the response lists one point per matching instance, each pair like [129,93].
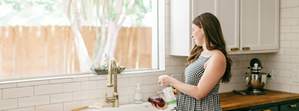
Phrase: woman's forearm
[188,89]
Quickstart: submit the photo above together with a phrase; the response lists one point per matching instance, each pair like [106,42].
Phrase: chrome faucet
[113,70]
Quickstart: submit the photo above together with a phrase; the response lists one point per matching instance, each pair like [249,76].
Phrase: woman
[207,65]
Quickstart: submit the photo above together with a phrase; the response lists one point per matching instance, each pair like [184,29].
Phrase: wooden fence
[51,50]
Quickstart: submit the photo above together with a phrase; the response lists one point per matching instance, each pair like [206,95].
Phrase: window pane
[134,47]
[37,38]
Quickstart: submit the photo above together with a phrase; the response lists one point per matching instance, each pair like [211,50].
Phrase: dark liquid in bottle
[156,101]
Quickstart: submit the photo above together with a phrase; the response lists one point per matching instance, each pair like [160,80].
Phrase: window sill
[91,75]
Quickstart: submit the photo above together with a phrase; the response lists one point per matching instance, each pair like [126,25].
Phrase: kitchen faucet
[113,70]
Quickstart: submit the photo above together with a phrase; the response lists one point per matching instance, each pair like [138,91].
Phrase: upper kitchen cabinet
[227,11]
[259,26]
[249,26]
[182,14]
[180,31]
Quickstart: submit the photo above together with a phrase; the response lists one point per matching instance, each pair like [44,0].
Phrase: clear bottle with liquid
[138,94]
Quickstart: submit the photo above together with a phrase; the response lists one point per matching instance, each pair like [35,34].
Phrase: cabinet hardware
[292,106]
[246,48]
[234,49]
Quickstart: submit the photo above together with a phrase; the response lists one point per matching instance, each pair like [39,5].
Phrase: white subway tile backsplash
[150,80]
[51,107]
[290,36]
[126,82]
[289,3]
[291,12]
[64,97]
[34,100]
[89,94]
[281,79]
[285,44]
[279,86]
[294,88]
[7,85]
[289,22]
[154,88]
[175,69]
[8,104]
[32,83]
[48,89]
[17,92]
[175,61]
[70,87]
[126,99]
[228,87]
[126,91]
[22,109]
[289,29]
[87,85]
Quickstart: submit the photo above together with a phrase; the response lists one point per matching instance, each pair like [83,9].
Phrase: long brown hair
[214,41]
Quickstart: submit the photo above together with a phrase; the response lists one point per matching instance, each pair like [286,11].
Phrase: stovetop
[250,92]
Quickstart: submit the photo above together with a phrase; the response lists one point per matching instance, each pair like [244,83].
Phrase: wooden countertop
[231,100]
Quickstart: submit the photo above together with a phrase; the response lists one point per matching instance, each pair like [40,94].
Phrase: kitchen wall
[67,93]
[285,63]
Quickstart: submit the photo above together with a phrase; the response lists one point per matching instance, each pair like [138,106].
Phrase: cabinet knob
[234,49]
[292,106]
[267,110]
[246,48]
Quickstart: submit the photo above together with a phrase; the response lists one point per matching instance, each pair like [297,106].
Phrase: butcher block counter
[271,101]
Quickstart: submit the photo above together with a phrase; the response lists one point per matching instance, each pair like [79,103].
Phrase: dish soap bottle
[138,94]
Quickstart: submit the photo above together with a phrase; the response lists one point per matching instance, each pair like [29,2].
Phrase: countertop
[231,100]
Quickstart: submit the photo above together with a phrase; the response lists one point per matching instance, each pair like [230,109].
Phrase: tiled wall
[285,64]
[68,93]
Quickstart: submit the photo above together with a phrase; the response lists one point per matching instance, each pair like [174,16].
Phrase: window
[54,37]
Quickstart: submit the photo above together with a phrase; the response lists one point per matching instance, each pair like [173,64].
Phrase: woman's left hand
[165,80]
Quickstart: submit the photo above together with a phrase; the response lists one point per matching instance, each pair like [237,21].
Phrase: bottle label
[171,102]
[170,98]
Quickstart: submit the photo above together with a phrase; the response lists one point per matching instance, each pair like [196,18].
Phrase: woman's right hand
[164,80]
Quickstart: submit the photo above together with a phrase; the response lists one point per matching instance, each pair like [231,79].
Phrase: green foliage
[111,10]
[19,5]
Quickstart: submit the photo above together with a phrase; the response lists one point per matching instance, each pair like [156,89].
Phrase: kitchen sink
[128,107]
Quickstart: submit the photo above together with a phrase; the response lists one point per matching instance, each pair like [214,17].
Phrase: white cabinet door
[227,12]
[259,25]
[182,13]
[249,21]
[202,6]
[180,31]
[269,34]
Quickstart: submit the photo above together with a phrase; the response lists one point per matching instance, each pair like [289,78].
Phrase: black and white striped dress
[193,73]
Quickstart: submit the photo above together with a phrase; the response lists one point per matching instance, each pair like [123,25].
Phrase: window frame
[158,55]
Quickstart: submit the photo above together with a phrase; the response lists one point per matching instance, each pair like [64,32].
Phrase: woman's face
[198,35]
